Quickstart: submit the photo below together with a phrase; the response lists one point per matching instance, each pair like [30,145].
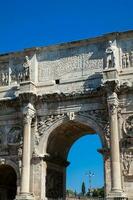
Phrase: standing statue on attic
[26,72]
[110,55]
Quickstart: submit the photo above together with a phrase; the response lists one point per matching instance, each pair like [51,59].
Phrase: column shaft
[25,179]
[28,114]
[115,153]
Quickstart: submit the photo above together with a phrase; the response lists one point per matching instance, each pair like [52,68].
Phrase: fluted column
[28,114]
[114,143]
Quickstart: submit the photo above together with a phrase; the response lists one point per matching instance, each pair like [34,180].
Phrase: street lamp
[90,175]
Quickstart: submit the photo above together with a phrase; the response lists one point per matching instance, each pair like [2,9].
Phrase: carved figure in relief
[4,78]
[127,160]
[124,60]
[128,126]
[127,60]
[20,152]
[14,136]
[106,130]
[131,59]
[110,57]
[20,77]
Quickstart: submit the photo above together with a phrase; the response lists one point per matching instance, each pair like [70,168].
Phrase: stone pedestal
[113,197]
[25,197]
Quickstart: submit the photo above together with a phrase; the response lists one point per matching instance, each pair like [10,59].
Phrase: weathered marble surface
[70,89]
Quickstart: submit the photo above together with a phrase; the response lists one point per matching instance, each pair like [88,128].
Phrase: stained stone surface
[67,91]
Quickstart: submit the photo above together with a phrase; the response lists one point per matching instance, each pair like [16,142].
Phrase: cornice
[102,38]
[99,92]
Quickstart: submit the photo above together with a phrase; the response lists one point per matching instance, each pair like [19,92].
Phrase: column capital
[28,113]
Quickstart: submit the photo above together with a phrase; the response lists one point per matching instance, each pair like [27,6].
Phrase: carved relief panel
[128,126]
[127,162]
[10,138]
[20,69]
[14,71]
[127,146]
[126,47]
[127,59]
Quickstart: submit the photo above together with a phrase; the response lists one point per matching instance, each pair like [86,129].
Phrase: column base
[25,196]
[116,195]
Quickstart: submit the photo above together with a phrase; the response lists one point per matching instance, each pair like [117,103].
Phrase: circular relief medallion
[128,126]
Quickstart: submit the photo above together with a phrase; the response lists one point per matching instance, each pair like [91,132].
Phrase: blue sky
[84,158]
[29,23]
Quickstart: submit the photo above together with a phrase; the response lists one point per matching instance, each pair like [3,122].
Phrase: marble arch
[79,119]
[81,86]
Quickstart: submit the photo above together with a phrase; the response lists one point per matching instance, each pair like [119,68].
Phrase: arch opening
[8,183]
[59,144]
[86,168]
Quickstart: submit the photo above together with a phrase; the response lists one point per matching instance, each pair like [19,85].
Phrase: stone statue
[26,72]
[110,55]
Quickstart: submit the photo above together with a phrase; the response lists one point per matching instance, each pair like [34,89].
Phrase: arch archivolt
[9,162]
[97,120]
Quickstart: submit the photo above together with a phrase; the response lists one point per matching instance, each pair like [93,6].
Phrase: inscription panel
[71,62]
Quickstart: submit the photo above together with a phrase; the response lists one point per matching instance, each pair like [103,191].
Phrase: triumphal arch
[50,97]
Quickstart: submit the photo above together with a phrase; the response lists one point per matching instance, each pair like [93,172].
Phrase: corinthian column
[28,114]
[114,144]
